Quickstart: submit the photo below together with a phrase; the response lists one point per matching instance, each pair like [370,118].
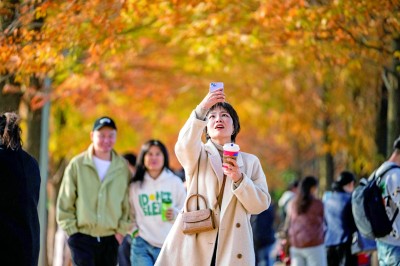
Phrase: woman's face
[154,159]
[349,187]
[220,126]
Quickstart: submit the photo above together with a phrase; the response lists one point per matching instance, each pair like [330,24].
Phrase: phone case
[216,85]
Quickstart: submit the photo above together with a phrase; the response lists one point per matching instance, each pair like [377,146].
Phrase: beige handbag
[200,220]
[197,221]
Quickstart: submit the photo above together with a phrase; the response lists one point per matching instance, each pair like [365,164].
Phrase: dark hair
[292,185]
[304,197]
[343,179]
[396,144]
[140,167]
[10,131]
[130,157]
[231,111]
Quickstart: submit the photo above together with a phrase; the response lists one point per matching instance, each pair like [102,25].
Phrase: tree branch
[363,43]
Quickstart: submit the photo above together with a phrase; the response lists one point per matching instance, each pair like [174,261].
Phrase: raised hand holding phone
[216,94]
[216,85]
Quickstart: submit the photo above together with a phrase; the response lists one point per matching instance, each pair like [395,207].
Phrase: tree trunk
[329,175]
[394,101]
[34,124]
[33,139]
[8,101]
[327,163]
[381,123]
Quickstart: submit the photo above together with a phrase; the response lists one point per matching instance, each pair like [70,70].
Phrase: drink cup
[165,205]
[231,150]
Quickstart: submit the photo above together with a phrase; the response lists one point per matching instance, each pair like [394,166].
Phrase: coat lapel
[215,161]
[228,193]
[216,164]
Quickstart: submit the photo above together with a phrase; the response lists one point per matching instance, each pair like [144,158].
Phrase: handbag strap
[186,208]
[221,191]
[197,183]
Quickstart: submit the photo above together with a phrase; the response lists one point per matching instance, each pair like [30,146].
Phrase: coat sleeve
[66,211]
[125,223]
[252,192]
[189,144]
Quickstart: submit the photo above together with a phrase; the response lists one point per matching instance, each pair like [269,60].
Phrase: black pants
[92,251]
[214,256]
[340,255]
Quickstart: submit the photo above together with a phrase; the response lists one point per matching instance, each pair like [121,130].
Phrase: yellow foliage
[304,78]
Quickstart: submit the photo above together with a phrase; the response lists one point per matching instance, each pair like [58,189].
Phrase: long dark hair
[10,131]
[232,112]
[140,167]
[304,197]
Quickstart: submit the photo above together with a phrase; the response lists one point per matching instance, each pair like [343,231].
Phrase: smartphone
[216,85]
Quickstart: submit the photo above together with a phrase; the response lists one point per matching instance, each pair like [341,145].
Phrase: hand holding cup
[231,169]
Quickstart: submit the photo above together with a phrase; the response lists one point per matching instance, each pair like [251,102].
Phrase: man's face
[103,139]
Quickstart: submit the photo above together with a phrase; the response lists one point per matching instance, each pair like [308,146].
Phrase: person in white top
[156,195]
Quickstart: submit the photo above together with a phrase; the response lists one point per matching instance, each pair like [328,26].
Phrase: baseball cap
[104,121]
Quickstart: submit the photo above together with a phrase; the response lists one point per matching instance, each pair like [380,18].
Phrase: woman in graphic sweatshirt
[153,186]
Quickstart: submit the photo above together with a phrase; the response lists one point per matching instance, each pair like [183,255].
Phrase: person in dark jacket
[264,236]
[339,221]
[124,250]
[19,196]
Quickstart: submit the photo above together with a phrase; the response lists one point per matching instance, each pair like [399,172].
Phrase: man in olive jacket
[92,205]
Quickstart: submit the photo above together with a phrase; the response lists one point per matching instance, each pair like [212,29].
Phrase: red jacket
[307,229]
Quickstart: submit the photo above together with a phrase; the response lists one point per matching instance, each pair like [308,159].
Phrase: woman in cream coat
[245,192]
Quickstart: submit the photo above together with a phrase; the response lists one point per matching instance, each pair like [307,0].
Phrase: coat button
[238,225]
[239,256]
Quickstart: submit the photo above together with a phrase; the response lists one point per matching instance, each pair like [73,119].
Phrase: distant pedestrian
[19,196]
[153,185]
[340,224]
[388,247]
[264,236]
[61,253]
[131,159]
[286,197]
[124,250]
[92,205]
[306,226]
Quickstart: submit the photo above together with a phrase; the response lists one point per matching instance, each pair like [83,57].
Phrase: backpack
[369,209]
